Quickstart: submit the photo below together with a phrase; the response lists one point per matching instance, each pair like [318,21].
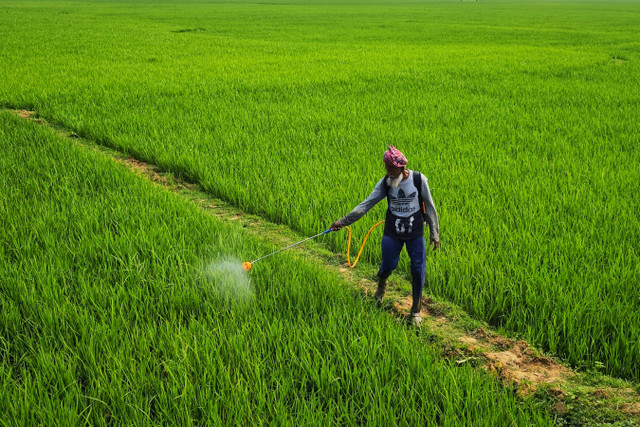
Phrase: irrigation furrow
[576,395]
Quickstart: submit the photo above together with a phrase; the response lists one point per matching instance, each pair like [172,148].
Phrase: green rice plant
[523,115]
[114,309]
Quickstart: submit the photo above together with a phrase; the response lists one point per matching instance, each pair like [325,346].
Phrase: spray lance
[247,265]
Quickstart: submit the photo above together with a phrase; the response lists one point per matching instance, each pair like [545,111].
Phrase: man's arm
[432,215]
[378,194]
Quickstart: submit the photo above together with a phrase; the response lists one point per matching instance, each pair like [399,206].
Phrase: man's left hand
[435,244]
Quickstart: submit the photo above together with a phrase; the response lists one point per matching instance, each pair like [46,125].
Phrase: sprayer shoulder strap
[417,181]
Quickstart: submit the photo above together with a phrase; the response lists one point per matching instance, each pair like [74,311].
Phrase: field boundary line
[576,396]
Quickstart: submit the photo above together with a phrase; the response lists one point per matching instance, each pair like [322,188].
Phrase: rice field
[121,303]
[523,115]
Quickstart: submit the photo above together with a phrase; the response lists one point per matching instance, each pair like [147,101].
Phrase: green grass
[523,115]
[108,315]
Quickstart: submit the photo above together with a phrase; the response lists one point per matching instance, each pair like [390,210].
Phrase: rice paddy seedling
[523,115]
[527,136]
[109,315]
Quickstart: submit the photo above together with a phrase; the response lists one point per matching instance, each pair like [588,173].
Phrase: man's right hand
[336,226]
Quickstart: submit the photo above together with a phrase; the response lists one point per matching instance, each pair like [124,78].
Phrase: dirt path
[580,398]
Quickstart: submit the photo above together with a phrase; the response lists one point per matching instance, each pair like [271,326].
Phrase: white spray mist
[229,280]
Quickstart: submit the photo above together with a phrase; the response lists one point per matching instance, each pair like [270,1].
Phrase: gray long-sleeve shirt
[403,203]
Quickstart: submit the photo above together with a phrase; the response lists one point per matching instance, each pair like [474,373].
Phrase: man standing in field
[410,205]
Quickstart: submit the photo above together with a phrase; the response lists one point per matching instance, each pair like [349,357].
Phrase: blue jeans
[391,249]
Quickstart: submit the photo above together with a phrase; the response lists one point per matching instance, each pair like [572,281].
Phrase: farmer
[410,205]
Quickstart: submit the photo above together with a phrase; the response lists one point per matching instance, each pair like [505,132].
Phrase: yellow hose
[361,247]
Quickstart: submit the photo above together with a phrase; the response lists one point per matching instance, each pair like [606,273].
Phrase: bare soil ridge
[577,397]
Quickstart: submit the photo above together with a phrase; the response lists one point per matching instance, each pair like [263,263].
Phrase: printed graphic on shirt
[403,201]
[403,226]
[401,198]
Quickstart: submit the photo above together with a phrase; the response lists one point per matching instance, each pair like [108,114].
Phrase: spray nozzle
[246,265]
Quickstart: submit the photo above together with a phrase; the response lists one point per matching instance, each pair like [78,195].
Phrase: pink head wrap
[393,157]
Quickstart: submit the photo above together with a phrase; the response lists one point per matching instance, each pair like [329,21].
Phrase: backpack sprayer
[247,265]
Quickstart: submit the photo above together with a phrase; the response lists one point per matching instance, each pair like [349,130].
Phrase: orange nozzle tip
[246,265]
